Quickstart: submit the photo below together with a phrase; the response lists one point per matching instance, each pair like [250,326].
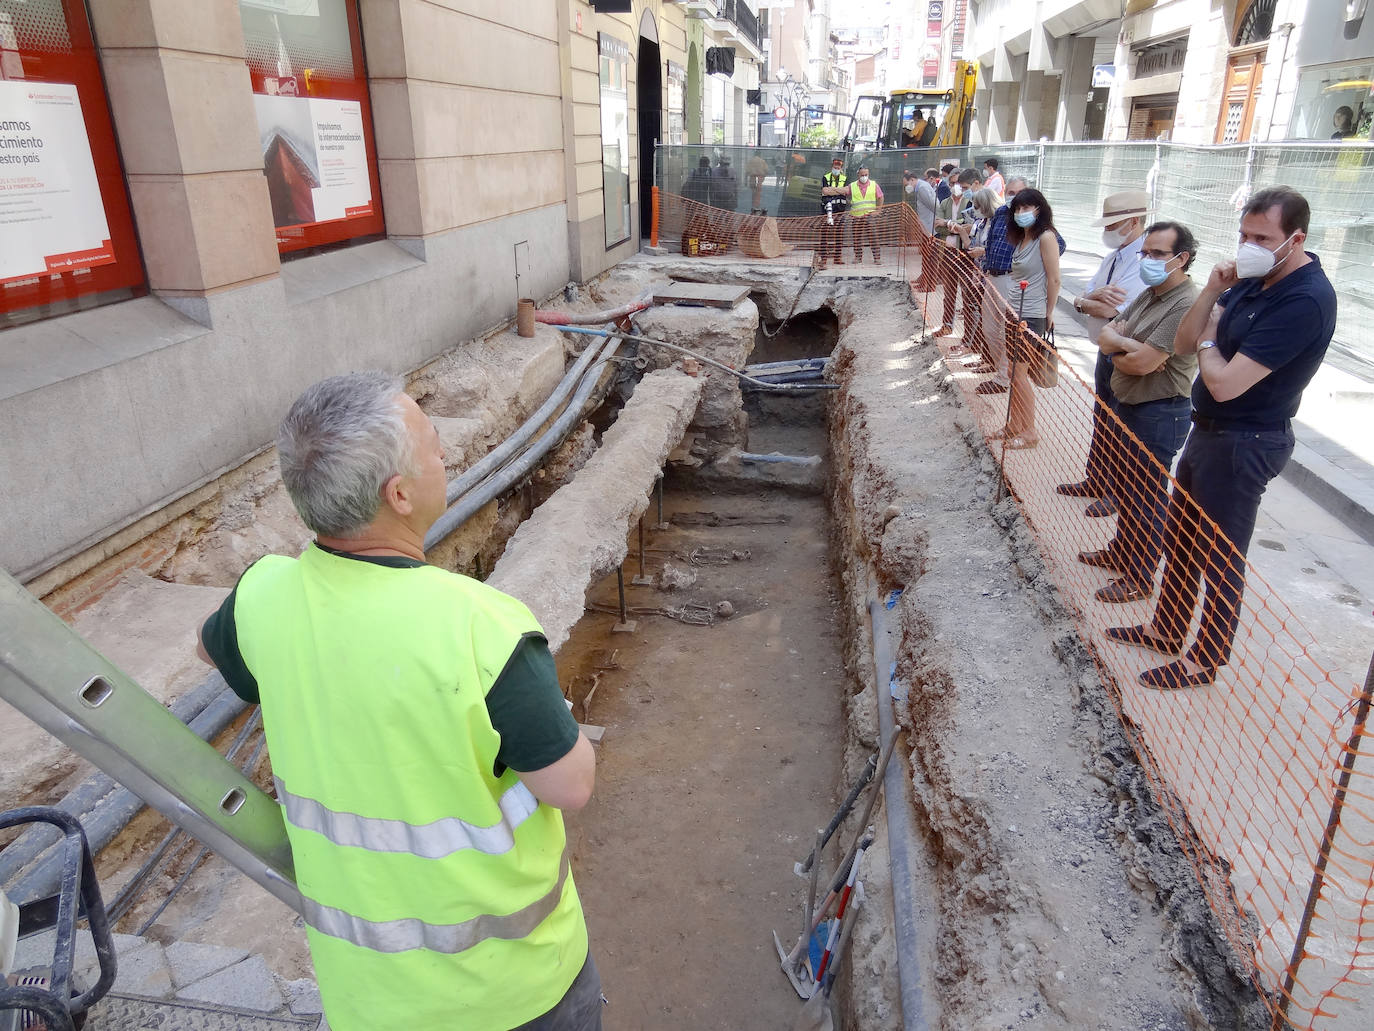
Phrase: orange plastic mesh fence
[872,242]
[1246,768]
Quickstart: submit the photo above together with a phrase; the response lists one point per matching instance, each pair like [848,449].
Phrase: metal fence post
[1333,822]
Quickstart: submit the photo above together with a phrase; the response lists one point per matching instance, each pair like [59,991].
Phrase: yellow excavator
[922,117]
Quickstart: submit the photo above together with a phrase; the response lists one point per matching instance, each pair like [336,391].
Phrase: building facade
[1190,71]
[214,204]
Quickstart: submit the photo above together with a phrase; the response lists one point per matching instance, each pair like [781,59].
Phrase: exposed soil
[721,754]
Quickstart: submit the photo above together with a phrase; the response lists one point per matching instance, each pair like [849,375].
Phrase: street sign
[779,112]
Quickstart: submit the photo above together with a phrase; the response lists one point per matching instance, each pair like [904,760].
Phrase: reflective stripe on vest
[860,205]
[406,934]
[430,841]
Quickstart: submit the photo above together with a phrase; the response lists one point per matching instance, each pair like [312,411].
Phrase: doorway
[649,99]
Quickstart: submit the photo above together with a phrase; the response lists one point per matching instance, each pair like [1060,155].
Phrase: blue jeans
[580,1007]
[1140,480]
[1223,475]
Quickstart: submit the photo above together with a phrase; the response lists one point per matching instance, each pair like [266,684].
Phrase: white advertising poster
[314,158]
[51,215]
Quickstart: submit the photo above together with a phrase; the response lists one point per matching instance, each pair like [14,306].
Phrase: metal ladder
[69,689]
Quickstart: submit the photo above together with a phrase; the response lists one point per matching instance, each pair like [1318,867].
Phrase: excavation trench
[1043,889]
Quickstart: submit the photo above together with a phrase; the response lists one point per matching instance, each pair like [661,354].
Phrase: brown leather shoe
[990,387]
[1142,637]
[1121,591]
[1103,559]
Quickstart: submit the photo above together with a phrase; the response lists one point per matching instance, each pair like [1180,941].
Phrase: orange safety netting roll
[1263,774]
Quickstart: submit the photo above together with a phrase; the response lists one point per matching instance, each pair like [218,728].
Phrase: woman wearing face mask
[972,228]
[1035,260]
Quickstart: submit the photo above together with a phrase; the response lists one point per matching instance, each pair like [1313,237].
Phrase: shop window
[66,234]
[1335,103]
[314,121]
[615,136]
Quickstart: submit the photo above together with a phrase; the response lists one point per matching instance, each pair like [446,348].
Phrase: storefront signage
[1104,76]
[51,215]
[1160,58]
[314,158]
[935,20]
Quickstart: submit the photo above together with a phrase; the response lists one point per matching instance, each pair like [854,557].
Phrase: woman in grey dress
[1034,262]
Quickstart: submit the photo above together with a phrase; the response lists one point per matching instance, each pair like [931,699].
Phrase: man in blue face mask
[1150,383]
[1260,329]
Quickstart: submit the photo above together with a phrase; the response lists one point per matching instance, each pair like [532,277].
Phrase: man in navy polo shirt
[1257,350]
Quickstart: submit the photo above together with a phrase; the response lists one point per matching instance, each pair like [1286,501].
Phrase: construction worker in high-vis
[420,744]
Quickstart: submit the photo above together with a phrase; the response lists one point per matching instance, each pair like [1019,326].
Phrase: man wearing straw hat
[1114,285]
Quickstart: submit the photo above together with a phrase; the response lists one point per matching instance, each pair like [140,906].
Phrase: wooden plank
[707,295]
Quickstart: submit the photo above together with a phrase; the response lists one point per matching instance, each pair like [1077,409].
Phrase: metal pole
[1352,748]
[620,588]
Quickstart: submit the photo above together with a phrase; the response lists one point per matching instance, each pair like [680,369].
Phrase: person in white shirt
[1114,285]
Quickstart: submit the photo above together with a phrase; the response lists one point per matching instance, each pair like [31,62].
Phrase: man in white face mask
[1260,329]
[1114,285]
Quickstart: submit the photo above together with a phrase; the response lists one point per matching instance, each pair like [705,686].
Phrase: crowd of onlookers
[1216,370]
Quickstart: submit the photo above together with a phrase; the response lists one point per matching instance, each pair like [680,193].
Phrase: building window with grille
[66,233]
[314,121]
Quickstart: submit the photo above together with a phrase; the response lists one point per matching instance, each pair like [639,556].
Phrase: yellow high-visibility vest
[437,894]
[860,205]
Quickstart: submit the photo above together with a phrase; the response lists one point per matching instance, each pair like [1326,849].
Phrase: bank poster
[51,216]
[314,158]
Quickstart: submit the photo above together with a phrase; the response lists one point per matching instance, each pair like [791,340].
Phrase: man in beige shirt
[1152,385]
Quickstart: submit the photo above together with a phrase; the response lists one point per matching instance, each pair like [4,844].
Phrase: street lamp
[794,94]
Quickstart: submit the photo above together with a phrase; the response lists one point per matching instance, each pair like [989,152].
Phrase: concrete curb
[1333,489]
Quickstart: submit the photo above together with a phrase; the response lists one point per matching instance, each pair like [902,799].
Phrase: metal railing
[744,18]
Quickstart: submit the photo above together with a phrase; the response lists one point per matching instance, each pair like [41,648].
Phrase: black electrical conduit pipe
[497,484]
[899,832]
[497,456]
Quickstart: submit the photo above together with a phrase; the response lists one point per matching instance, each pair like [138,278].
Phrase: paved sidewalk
[1333,463]
[186,986]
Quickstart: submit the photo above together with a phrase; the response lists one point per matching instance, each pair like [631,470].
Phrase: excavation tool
[794,962]
[815,1014]
[843,907]
[865,776]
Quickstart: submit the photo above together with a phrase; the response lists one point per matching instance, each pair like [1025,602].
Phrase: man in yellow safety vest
[865,197]
[420,744]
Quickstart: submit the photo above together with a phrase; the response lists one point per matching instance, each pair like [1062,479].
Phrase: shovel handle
[865,776]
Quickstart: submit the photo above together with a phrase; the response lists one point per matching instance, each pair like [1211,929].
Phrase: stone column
[1073,87]
[182,104]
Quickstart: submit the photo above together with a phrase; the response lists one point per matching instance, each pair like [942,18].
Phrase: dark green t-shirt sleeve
[220,637]
[527,709]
